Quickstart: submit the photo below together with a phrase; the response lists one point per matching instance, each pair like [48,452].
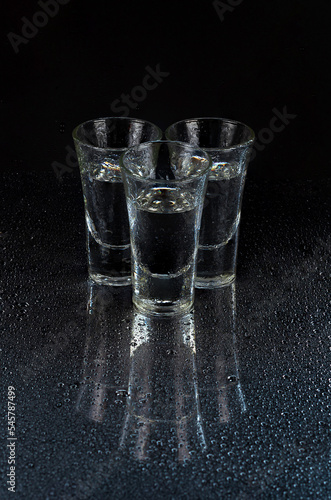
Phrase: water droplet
[232,379]
[122,393]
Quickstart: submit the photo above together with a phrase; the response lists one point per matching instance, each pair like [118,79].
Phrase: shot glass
[165,185]
[99,144]
[229,145]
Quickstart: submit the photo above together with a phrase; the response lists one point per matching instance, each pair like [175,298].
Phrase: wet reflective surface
[229,401]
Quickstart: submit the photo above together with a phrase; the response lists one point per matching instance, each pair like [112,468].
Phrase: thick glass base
[214,282]
[108,265]
[162,308]
[217,264]
[102,279]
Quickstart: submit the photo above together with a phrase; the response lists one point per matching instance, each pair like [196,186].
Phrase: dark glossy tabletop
[229,401]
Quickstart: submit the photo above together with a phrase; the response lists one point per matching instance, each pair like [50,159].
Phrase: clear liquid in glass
[108,234]
[219,226]
[164,242]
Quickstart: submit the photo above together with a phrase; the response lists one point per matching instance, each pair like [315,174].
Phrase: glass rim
[169,181]
[218,119]
[115,118]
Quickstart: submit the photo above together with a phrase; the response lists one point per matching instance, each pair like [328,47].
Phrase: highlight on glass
[99,144]
[165,184]
[229,144]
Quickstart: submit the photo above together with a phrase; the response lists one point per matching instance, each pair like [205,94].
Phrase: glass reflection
[220,390]
[158,383]
[163,417]
[106,362]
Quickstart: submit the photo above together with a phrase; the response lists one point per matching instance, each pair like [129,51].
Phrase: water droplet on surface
[232,379]
[122,393]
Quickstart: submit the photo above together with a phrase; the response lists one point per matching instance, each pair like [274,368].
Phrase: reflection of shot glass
[106,362]
[163,415]
[165,186]
[220,390]
[229,144]
[99,144]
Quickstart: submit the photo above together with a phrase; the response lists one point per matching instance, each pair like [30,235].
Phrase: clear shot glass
[229,144]
[99,144]
[165,185]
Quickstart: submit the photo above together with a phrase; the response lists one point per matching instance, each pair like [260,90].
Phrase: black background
[262,55]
